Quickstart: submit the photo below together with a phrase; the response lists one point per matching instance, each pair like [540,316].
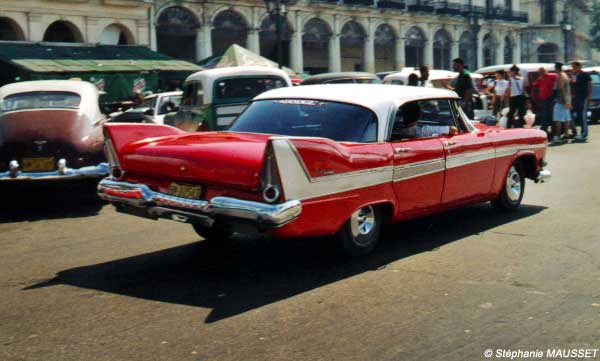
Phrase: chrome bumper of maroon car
[15,174]
[161,205]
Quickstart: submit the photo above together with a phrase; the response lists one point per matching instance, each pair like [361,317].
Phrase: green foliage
[595,28]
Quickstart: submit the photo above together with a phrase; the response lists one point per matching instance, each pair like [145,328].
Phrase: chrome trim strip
[140,195]
[97,171]
[458,160]
[413,170]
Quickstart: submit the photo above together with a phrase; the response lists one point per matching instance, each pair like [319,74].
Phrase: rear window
[245,88]
[309,118]
[595,78]
[40,100]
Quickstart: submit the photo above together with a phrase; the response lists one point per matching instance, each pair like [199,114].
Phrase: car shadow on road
[36,201]
[257,272]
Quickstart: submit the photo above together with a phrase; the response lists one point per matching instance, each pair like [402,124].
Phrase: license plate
[38,164]
[185,190]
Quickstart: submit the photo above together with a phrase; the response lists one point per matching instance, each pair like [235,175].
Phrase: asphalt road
[81,282]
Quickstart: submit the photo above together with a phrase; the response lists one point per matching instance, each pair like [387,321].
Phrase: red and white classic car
[322,160]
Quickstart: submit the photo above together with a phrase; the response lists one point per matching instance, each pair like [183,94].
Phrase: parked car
[51,129]
[322,160]
[594,102]
[213,98]
[342,78]
[159,104]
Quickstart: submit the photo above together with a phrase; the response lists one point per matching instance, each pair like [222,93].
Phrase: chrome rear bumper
[97,171]
[161,205]
[543,176]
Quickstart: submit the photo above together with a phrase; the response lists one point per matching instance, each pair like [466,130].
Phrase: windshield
[40,100]
[168,104]
[246,88]
[148,102]
[309,118]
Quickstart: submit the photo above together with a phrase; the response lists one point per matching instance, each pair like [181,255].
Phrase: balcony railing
[506,15]
[422,6]
[359,2]
[447,8]
[472,10]
[391,4]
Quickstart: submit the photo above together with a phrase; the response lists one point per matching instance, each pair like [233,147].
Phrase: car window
[339,81]
[246,88]
[595,78]
[189,93]
[423,119]
[168,104]
[367,81]
[40,100]
[309,118]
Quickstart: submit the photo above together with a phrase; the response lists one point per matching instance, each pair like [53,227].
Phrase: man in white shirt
[497,91]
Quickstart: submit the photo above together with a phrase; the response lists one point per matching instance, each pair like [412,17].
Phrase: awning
[86,58]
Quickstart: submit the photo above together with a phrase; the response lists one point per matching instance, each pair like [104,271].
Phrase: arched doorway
[385,48]
[441,50]
[315,46]
[176,30]
[10,30]
[63,32]
[547,53]
[352,44]
[508,51]
[466,49]
[489,50]
[414,47]
[268,39]
[229,28]
[116,34]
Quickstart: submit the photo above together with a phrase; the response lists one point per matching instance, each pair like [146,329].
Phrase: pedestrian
[542,89]
[497,91]
[562,105]
[582,91]
[424,70]
[413,79]
[463,86]
[516,99]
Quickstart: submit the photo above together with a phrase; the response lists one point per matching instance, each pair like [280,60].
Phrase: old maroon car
[50,129]
[322,160]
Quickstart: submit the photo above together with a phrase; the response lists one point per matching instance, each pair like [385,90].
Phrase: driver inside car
[406,124]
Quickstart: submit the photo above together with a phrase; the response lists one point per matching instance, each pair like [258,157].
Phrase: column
[428,56]
[335,55]
[296,45]
[500,49]
[454,49]
[35,27]
[400,42]
[479,55]
[253,41]
[153,45]
[370,51]
[517,50]
[203,42]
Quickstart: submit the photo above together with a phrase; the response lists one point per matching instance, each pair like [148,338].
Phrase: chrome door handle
[401,150]
[452,142]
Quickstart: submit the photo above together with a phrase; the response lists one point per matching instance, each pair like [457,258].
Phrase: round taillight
[116,173]
[271,193]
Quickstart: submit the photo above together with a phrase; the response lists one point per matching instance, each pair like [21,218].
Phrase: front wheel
[360,234]
[514,187]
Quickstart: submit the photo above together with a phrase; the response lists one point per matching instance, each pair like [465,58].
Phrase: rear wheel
[215,235]
[514,187]
[361,232]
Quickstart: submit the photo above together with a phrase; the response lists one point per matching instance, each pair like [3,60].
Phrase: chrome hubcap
[513,184]
[362,221]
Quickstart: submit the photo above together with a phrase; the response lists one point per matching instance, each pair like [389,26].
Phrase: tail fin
[117,136]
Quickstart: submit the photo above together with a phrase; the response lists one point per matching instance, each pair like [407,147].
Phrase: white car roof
[83,88]
[526,67]
[380,98]
[214,74]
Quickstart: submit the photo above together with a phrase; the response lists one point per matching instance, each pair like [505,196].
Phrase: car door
[419,164]
[470,159]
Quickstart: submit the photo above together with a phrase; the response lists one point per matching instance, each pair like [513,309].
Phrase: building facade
[75,21]
[318,35]
[557,30]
